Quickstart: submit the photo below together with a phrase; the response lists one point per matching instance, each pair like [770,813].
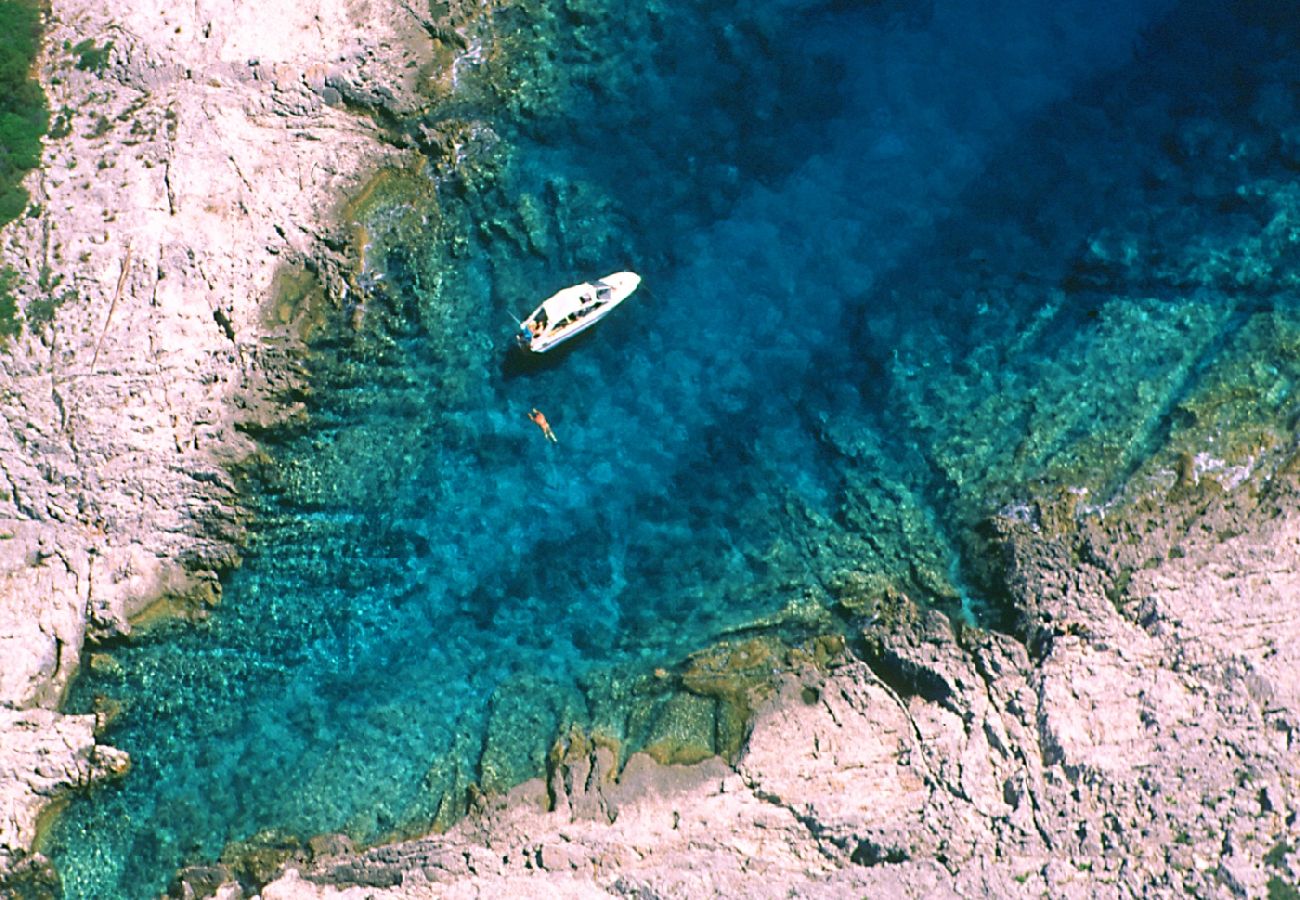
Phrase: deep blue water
[903,261]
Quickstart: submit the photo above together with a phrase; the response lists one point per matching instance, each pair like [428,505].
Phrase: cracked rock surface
[1136,735]
[202,162]
[1139,738]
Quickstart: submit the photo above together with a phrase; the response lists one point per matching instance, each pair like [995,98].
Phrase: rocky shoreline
[185,220]
[1138,739]
[1137,734]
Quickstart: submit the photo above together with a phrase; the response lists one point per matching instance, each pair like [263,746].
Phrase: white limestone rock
[1142,743]
[42,755]
[205,157]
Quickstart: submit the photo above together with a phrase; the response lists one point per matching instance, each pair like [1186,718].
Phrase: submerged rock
[192,160]
[1133,731]
[1140,744]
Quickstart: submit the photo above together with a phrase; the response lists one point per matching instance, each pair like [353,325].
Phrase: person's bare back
[540,421]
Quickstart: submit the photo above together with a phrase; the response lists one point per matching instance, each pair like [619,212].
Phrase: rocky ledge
[193,170]
[1138,737]
[1137,734]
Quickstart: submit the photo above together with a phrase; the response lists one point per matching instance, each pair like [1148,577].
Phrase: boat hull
[568,313]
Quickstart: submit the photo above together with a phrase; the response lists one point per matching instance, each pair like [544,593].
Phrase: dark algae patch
[910,269]
[23,112]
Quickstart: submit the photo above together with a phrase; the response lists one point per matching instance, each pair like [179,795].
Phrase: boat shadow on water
[519,363]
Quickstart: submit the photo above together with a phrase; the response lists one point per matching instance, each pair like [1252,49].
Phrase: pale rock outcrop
[1137,736]
[207,155]
[44,752]
[1140,740]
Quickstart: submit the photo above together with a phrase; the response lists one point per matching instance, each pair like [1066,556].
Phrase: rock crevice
[1144,746]
[188,166]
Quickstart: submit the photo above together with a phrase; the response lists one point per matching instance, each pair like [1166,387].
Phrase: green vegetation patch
[1280,890]
[10,324]
[91,58]
[23,112]
[40,312]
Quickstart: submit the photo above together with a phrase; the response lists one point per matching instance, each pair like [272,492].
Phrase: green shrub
[91,58]
[1280,890]
[23,113]
[20,37]
[13,200]
[40,312]
[1277,856]
[10,325]
[61,127]
[102,127]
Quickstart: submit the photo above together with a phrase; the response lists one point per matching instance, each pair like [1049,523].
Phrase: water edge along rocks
[195,165]
[1139,736]
[1140,739]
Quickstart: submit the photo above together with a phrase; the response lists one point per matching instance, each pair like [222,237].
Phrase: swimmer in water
[540,421]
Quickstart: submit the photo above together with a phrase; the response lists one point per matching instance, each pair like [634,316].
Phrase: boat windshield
[565,303]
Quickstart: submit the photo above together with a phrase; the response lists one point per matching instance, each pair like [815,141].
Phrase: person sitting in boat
[538,323]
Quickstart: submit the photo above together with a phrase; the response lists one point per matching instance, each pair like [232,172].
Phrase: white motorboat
[574,310]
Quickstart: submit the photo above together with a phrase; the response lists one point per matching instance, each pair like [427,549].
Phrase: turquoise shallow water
[905,263]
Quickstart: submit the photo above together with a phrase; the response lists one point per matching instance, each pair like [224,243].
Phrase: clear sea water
[906,263]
